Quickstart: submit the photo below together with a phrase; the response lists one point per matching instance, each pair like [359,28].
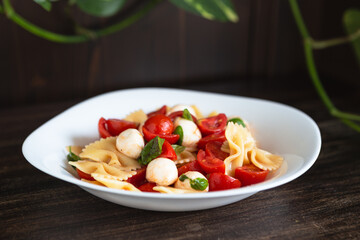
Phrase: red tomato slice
[168,151]
[219,137]
[116,126]
[147,187]
[84,175]
[159,124]
[213,149]
[162,110]
[102,128]
[139,178]
[220,181]
[250,174]
[176,114]
[191,166]
[171,138]
[212,125]
[210,164]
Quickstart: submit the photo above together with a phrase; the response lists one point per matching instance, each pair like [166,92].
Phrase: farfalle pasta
[173,150]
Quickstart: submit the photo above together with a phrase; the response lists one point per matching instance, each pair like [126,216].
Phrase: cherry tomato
[162,111]
[84,175]
[168,151]
[139,178]
[191,166]
[213,149]
[219,137]
[104,133]
[210,164]
[159,124]
[212,125]
[147,187]
[250,174]
[176,114]
[171,138]
[220,181]
[117,126]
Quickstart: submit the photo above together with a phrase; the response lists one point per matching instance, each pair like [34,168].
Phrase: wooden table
[323,203]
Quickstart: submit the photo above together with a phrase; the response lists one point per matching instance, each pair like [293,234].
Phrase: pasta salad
[173,150]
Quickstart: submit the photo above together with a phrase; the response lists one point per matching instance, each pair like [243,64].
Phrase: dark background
[171,48]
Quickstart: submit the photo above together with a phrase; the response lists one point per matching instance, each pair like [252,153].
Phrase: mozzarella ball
[180,107]
[130,142]
[186,183]
[192,133]
[162,171]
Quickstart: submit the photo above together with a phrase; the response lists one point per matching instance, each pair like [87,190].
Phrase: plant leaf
[45,4]
[151,150]
[100,8]
[351,21]
[221,10]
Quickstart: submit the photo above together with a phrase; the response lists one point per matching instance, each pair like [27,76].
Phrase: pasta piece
[185,157]
[213,113]
[240,142]
[112,183]
[225,147]
[138,116]
[265,160]
[105,150]
[92,182]
[170,190]
[74,149]
[102,168]
[197,112]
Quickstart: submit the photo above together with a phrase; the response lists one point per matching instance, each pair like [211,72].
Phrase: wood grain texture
[321,204]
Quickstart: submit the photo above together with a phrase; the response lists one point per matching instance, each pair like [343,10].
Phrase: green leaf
[178,149]
[199,184]
[238,121]
[100,8]
[351,21]
[179,131]
[183,177]
[45,4]
[221,10]
[151,150]
[72,157]
[187,115]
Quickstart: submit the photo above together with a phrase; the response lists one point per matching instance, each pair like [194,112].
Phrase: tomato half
[213,149]
[176,114]
[104,133]
[171,138]
[218,137]
[84,175]
[147,187]
[250,174]
[191,166]
[212,125]
[117,126]
[220,181]
[210,164]
[139,178]
[161,110]
[159,124]
[168,151]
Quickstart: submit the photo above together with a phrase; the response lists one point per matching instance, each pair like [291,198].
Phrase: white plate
[278,128]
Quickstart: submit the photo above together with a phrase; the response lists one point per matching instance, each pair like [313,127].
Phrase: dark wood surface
[324,203]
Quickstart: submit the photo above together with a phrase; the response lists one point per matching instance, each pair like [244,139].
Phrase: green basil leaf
[221,10]
[178,149]
[183,177]
[45,4]
[72,157]
[237,121]
[100,8]
[187,115]
[351,21]
[199,183]
[151,150]
[179,131]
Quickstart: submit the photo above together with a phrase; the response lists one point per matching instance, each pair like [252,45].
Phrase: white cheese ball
[162,171]
[192,133]
[186,183]
[180,107]
[130,142]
